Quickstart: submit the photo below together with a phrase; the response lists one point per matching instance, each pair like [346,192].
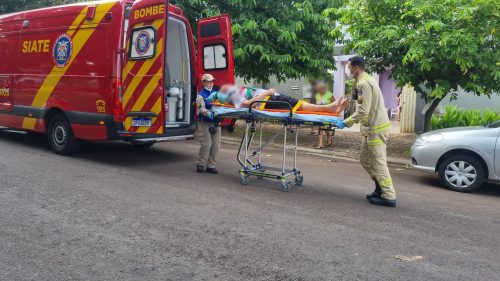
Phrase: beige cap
[207,77]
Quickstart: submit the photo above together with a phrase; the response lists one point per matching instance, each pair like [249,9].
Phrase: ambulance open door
[215,50]
[142,97]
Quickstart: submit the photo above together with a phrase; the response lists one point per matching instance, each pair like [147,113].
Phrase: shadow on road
[26,139]
[126,155]
[112,153]
[489,188]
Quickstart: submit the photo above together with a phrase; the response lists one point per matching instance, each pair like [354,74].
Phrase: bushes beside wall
[457,117]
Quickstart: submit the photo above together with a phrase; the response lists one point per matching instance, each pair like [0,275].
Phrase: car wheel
[60,135]
[461,173]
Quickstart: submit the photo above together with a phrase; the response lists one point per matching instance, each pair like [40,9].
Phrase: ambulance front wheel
[61,137]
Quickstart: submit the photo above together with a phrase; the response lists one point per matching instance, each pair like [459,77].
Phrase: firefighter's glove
[341,124]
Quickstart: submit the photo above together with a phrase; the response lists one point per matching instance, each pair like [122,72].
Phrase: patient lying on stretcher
[245,96]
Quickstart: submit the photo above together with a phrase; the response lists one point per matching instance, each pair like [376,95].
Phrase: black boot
[381,201]
[200,168]
[376,193]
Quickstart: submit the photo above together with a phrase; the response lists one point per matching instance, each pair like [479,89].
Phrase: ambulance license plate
[141,122]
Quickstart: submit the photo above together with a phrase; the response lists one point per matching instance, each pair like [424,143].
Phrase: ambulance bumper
[177,134]
[164,139]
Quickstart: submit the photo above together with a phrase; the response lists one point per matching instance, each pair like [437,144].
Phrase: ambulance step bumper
[165,139]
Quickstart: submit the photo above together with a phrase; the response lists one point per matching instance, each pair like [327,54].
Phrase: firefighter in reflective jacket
[375,126]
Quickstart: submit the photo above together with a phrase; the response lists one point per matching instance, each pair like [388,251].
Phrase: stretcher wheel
[299,180]
[243,179]
[285,187]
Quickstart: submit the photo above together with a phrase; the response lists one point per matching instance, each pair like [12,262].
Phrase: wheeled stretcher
[251,160]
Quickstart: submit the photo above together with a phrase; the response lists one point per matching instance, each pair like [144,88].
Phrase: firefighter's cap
[207,77]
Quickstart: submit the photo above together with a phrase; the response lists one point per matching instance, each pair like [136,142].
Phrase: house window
[143,43]
[214,57]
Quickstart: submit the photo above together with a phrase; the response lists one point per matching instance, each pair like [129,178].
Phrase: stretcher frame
[246,159]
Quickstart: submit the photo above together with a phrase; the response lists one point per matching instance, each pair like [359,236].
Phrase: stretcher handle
[272,102]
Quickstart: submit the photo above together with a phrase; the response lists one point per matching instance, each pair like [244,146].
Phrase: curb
[323,153]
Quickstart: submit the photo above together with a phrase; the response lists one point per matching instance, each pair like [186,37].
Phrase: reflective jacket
[204,106]
[370,110]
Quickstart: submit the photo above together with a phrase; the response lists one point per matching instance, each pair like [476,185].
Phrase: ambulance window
[142,43]
[210,29]
[214,57]
[128,11]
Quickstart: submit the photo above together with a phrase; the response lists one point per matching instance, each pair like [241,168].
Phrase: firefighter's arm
[364,104]
[202,109]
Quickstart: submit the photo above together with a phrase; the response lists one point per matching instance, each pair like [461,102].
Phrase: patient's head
[225,93]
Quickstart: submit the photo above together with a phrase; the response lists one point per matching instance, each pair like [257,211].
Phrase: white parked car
[464,158]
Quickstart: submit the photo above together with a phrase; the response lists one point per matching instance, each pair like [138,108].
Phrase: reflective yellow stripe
[263,105]
[130,64]
[297,106]
[140,74]
[375,142]
[52,80]
[382,125]
[77,21]
[146,94]
[386,183]
[382,129]
[156,109]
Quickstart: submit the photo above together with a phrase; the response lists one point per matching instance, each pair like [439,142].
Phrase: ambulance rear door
[215,50]
[143,69]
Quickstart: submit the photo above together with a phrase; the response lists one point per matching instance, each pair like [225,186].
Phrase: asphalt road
[114,212]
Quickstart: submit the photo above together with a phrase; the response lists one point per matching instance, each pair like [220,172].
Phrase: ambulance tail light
[118,108]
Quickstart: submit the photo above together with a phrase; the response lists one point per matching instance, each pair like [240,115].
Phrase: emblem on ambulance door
[63,48]
[143,43]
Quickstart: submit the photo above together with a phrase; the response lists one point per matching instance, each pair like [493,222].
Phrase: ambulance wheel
[148,144]
[244,179]
[299,180]
[61,137]
[285,186]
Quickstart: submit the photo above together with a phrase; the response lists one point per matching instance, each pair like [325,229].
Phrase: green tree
[10,6]
[287,39]
[437,46]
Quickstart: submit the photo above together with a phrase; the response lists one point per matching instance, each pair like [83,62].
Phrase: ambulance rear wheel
[61,137]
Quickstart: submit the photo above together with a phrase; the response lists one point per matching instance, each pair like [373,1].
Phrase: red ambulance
[108,70]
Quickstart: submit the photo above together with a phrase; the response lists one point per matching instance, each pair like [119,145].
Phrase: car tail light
[118,108]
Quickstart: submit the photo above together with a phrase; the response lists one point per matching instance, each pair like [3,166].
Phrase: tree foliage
[437,46]
[287,39]
[10,6]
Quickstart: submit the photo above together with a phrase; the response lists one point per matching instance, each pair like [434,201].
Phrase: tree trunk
[428,114]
